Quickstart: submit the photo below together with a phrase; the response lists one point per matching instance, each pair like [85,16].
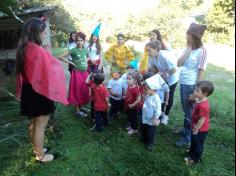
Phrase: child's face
[131,81]
[198,93]
[115,75]
[80,42]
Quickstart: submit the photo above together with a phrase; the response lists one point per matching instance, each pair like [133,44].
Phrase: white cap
[155,82]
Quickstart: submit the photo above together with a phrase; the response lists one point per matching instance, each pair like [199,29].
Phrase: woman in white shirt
[193,63]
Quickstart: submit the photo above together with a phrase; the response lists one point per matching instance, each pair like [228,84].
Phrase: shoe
[85,110]
[150,147]
[188,160]
[182,142]
[164,120]
[128,128]
[130,132]
[81,114]
[45,158]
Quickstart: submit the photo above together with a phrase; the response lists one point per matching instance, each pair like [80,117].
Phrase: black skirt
[34,104]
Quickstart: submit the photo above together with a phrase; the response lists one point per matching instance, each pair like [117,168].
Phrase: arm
[63,56]
[112,93]
[88,78]
[198,125]
[184,57]
[108,103]
[200,75]
[166,98]
[138,100]
[101,59]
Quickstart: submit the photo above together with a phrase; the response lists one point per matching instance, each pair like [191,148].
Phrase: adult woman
[40,82]
[193,63]
[154,36]
[165,62]
[94,51]
[119,55]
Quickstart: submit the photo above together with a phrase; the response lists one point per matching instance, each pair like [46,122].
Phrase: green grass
[112,153]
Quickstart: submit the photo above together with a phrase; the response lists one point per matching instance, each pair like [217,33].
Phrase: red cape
[45,73]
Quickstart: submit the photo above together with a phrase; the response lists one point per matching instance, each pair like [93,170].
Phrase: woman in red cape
[40,83]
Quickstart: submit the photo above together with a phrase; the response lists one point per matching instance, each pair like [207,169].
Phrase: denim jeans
[101,120]
[185,91]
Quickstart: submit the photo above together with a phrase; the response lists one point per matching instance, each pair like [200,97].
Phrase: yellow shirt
[144,61]
[120,55]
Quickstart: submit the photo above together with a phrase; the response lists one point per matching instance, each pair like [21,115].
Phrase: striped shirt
[189,71]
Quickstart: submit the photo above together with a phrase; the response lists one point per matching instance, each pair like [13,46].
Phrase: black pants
[132,117]
[148,134]
[171,98]
[92,114]
[101,120]
[196,148]
[115,106]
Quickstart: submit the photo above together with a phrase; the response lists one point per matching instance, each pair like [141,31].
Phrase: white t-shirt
[151,108]
[189,71]
[92,52]
[116,87]
[165,62]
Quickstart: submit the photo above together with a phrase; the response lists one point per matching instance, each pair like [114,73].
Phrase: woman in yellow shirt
[119,55]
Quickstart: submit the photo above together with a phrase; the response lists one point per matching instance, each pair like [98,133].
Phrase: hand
[195,130]
[100,67]
[155,121]
[109,104]
[130,106]
[166,102]
[115,94]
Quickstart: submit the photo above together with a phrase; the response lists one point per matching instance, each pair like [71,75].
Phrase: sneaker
[188,160]
[85,110]
[164,120]
[128,128]
[130,132]
[81,114]
[182,142]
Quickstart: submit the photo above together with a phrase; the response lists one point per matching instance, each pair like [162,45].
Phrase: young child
[163,93]
[100,99]
[78,90]
[151,111]
[124,78]
[132,102]
[200,121]
[114,87]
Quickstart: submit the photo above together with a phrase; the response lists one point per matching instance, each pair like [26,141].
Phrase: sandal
[45,158]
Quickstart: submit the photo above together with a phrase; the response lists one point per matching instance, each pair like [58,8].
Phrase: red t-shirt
[131,96]
[100,93]
[201,109]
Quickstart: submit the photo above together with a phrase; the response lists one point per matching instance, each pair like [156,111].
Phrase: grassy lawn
[82,152]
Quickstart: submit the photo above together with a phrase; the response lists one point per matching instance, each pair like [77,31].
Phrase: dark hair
[130,67]
[120,35]
[206,87]
[134,74]
[153,69]
[98,78]
[71,39]
[154,45]
[159,37]
[197,42]
[80,35]
[147,75]
[32,28]
[98,45]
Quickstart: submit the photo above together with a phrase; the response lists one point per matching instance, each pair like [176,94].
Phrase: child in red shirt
[132,102]
[200,121]
[100,99]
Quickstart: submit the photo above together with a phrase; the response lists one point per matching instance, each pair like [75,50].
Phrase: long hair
[98,45]
[31,31]
[197,42]
[71,39]
[159,37]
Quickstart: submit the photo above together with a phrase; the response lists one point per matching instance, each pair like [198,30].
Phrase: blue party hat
[97,30]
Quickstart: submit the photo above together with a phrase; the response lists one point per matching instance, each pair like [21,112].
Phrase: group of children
[145,95]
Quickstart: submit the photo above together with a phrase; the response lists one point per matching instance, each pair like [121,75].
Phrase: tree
[221,21]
